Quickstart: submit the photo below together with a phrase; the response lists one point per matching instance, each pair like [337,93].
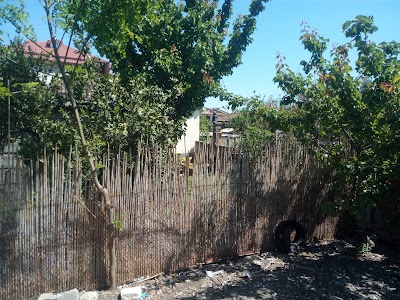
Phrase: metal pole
[214,121]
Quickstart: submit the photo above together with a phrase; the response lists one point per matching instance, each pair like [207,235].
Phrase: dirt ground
[326,270]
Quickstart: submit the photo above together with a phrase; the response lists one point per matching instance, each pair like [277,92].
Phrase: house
[214,112]
[69,56]
[224,133]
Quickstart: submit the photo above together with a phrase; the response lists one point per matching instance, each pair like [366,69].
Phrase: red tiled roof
[69,55]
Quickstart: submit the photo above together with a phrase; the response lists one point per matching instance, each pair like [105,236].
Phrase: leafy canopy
[258,120]
[113,113]
[206,126]
[14,12]
[349,112]
[167,57]
[351,116]
[172,43]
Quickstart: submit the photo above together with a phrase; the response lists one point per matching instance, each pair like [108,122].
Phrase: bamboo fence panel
[53,228]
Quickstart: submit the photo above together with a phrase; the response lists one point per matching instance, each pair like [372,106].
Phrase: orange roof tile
[68,54]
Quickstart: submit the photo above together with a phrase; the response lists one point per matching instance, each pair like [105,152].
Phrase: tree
[14,12]
[185,43]
[121,114]
[20,73]
[162,93]
[50,8]
[351,117]
[114,115]
[206,127]
[175,47]
[258,120]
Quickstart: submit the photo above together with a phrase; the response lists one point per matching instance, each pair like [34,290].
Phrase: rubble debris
[214,277]
[269,264]
[322,270]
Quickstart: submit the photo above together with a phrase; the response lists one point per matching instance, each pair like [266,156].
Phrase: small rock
[68,295]
[212,274]
[258,262]
[247,274]
[294,249]
[90,296]
[339,248]
[47,296]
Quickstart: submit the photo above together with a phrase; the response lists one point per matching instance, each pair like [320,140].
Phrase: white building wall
[48,75]
[188,140]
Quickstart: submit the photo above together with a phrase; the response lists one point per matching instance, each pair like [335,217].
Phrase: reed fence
[171,212]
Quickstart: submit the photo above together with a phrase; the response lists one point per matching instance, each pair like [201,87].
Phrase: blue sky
[278,30]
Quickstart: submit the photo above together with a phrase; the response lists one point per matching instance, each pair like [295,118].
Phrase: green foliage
[258,120]
[14,12]
[184,43]
[26,93]
[17,67]
[363,249]
[235,101]
[351,117]
[117,223]
[167,58]
[122,113]
[4,91]
[206,127]
[114,114]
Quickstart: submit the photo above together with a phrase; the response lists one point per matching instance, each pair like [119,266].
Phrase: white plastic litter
[131,293]
[212,274]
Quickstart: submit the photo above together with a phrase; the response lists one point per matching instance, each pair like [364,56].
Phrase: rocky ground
[327,270]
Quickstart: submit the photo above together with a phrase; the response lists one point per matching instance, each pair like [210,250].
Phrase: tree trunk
[103,191]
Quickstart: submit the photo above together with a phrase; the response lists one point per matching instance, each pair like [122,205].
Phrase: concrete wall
[48,74]
[192,134]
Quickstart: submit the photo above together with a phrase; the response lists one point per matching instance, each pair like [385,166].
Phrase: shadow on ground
[329,271]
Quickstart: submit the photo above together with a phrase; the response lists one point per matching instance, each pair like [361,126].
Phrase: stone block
[90,296]
[131,293]
[68,295]
[47,296]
